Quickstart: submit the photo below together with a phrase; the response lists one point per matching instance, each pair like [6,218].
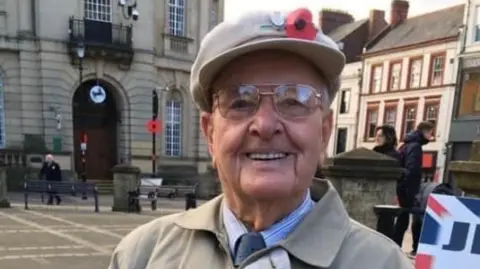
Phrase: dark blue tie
[246,245]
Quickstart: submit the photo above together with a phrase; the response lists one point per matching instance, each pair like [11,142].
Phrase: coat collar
[315,241]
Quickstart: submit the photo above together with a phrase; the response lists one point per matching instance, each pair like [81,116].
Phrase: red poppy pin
[299,24]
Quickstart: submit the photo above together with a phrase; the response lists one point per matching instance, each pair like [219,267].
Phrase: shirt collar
[274,234]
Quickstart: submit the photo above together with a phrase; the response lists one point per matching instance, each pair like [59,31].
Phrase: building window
[214,14]
[395,74]
[173,125]
[341,145]
[477,23]
[376,80]
[431,112]
[415,73]
[390,115]
[437,69]
[470,96]
[344,101]
[371,122]
[98,10]
[176,17]
[2,116]
[409,118]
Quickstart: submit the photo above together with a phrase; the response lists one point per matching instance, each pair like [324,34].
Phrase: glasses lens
[295,100]
[238,102]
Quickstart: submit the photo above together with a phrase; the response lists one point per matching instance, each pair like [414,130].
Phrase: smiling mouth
[273,156]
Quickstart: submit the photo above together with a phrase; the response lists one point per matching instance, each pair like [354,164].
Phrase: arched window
[173,125]
[2,116]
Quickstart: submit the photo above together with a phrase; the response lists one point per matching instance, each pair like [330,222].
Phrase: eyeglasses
[291,101]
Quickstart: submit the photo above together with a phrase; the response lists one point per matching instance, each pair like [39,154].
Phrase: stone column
[125,178]
[467,173]
[3,188]
[363,178]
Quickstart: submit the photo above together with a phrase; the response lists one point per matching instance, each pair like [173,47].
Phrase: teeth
[267,156]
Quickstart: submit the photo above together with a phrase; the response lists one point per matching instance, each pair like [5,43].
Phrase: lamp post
[129,9]
[83,143]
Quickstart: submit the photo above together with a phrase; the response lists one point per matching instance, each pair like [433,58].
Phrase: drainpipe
[33,11]
[359,101]
[457,91]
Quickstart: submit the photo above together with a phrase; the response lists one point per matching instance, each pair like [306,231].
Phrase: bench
[44,187]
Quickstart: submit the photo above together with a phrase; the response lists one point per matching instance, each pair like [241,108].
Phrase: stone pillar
[3,188]
[125,178]
[467,173]
[363,178]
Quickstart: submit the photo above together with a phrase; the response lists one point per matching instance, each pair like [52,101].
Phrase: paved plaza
[67,236]
[71,235]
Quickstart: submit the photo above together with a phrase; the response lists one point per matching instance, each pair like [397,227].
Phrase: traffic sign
[153,126]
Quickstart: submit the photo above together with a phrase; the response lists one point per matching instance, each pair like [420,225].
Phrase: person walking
[51,171]
[408,187]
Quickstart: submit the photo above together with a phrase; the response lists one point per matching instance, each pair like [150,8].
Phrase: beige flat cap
[260,31]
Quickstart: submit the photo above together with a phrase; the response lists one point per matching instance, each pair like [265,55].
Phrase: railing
[100,33]
[177,43]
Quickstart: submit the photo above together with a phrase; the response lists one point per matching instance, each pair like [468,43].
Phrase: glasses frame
[318,100]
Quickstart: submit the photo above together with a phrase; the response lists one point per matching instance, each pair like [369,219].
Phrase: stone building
[352,36]
[51,95]
[409,76]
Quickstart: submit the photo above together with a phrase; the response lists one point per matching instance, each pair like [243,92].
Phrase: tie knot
[246,245]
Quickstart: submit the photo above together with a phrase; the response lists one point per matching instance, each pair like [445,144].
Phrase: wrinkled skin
[261,192]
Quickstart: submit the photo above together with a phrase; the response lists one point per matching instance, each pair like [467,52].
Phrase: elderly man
[264,83]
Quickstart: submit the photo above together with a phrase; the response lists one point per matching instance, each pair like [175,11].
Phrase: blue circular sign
[98,94]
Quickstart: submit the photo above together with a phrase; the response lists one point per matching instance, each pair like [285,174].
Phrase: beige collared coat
[196,239]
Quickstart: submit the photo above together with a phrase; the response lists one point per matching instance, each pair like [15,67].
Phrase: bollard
[152,196]
[190,201]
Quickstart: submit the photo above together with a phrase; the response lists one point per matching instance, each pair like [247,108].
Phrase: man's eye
[240,103]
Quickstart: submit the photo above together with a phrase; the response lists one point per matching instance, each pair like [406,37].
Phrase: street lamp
[129,9]
[83,143]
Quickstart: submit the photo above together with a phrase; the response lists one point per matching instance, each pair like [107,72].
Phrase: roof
[436,25]
[343,31]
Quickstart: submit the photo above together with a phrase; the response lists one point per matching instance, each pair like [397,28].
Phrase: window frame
[408,104]
[371,107]
[410,73]
[432,101]
[390,105]
[173,23]
[431,69]
[97,12]
[372,78]
[390,75]
[340,101]
[476,23]
[169,136]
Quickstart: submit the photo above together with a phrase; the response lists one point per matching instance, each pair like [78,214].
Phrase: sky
[358,8]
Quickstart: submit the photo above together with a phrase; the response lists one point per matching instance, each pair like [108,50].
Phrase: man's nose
[266,121]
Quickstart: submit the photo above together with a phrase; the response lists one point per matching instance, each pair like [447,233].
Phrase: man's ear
[206,124]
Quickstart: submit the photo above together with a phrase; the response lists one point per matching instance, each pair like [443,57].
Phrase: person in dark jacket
[386,140]
[408,187]
[51,172]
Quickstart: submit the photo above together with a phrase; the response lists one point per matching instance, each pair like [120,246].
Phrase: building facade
[351,36]
[466,116]
[410,72]
[55,95]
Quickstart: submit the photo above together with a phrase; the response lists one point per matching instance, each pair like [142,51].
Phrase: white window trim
[97,4]
[175,31]
[170,105]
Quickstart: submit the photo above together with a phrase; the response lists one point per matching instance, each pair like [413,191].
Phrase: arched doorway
[95,117]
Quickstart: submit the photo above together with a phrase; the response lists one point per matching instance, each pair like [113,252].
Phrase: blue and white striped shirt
[275,233]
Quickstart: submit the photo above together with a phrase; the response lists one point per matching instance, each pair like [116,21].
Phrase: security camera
[135,14]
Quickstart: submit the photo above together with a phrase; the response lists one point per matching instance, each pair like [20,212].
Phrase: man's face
[267,155]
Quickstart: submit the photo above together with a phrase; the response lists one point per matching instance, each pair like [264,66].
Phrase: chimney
[398,12]
[376,23]
[329,20]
